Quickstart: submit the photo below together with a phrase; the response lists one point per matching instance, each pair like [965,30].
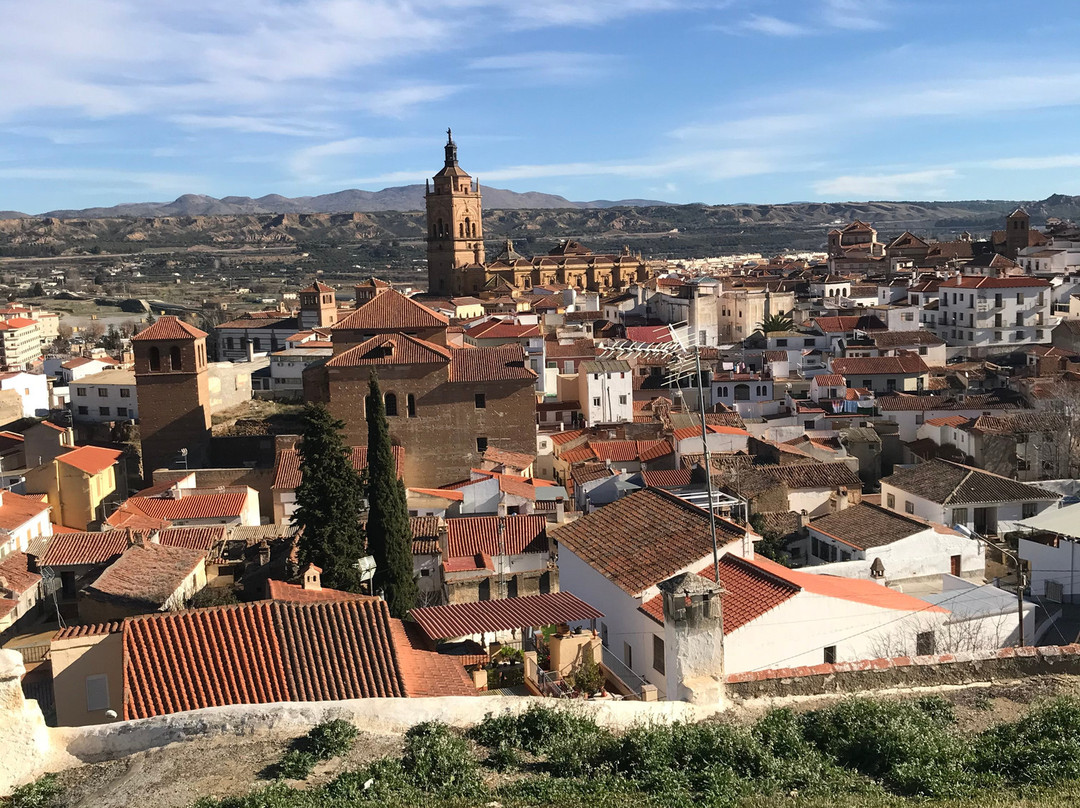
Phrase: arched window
[742,392]
[442,230]
[175,359]
[468,226]
[474,230]
[410,404]
[461,230]
[155,358]
[390,401]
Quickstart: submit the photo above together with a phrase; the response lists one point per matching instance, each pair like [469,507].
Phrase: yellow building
[76,484]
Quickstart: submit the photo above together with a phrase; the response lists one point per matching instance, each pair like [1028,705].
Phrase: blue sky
[716,101]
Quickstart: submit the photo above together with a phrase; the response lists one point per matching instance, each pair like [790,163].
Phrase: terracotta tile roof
[667,478]
[514,460]
[95,630]
[644,538]
[295,593]
[287,474]
[498,329]
[579,454]
[17,509]
[168,327]
[425,534]
[880,365]
[193,538]
[82,548]
[480,561]
[894,339]
[947,483]
[830,380]
[576,349]
[146,574]
[846,323]
[814,475]
[468,536]
[91,459]
[949,420]
[14,323]
[559,438]
[318,286]
[649,333]
[259,653]
[496,364]
[505,614]
[424,672]
[864,526]
[621,451]
[590,471]
[391,349]
[776,356]
[445,493]
[142,511]
[390,310]
[15,573]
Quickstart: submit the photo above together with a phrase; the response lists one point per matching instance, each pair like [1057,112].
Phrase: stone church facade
[457,262]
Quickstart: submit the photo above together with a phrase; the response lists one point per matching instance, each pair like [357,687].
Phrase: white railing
[619,669]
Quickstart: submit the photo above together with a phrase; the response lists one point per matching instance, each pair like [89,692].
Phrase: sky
[714,101]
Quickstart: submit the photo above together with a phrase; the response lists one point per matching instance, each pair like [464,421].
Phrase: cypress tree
[328,502]
[388,530]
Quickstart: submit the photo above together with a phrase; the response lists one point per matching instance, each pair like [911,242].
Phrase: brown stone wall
[440,441]
[173,414]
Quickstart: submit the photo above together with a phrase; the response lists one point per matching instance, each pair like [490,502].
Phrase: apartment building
[106,396]
[20,343]
[990,312]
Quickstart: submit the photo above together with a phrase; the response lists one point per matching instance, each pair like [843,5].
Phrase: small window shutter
[97,693]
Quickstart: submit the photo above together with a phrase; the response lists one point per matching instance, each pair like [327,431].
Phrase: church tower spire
[455,237]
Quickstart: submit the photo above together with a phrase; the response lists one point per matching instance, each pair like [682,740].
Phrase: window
[909,507]
[781,343]
[125,392]
[925,643]
[103,410]
[97,692]
[866,383]
[390,401]
[410,404]
[830,654]
[622,400]
[481,444]
[229,343]
[425,572]
[890,501]
[480,401]
[103,392]
[959,516]
[175,359]
[122,412]
[84,410]
[628,655]
[920,418]
[658,654]
[604,633]
[596,401]
[808,343]
[1029,510]
[80,391]
[923,350]
[1019,298]
[155,358]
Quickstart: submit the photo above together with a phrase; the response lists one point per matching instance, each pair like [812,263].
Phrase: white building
[106,396]
[287,370]
[977,311]
[20,343]
[953,494]
[22,520]
[32,388]
[606,391]
[1052,552]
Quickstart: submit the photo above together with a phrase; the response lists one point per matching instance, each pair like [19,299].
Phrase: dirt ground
[177,775]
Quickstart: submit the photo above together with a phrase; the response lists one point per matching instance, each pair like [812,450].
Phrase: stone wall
[905,672]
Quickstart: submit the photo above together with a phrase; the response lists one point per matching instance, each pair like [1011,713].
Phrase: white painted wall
[922,554]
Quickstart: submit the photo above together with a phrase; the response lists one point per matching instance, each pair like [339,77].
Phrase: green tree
[389,534]
[328,502]
[775,322]
[38,290]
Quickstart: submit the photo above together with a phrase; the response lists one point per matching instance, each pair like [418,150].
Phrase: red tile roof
[469,535]
[499,329]
[444,493]
[500,363]
[15,573]
[559,438]
[621,451]
[845,323]
[879,365]
[506,614]
[142,511]
[95,630]
[514,460]
[267,652]
[193,538]
[79,549]
[91,459]
[391,349]
[287,475]
[390,310]
[295,593]
[644,538]
[830,380]
[16,509]
[649,333]
[579,454]
[667,478]
[169,327]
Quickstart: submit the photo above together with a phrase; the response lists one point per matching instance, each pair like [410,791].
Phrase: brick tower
[1017,226]
[172,384]
[455,231]
[318,306]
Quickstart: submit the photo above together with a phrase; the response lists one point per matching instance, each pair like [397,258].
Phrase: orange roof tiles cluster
[169,327]
[84,548]
[505,614]
[469,535]
[90,459]
[18,509]
[391,349]
[287,475]
[147,574]
[391,310]
[500,363]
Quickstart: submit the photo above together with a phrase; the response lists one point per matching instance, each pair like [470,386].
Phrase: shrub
[42,793]
[534,730]
[437,760]
[1042,748]
[330,739]
[503,758]
[295,764]
[588,678]
[380,781]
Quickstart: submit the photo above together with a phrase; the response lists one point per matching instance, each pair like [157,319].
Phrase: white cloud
[772,26]
[253,125]
[306,164]
[886,186]
[1036,163]
[855,15]
[148,180]
[547,66]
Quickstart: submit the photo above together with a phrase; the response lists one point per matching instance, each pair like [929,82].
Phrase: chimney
[312,578]
[250,351]
[804,518]
[264,553]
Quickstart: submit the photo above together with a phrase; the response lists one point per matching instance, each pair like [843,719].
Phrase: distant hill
[13,214]
[403,198]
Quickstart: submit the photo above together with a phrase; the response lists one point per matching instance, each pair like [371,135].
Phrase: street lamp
[1021,576]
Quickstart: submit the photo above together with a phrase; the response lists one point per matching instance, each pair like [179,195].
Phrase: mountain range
[403,198]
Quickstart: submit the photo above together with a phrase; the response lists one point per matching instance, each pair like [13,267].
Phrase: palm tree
[775,322]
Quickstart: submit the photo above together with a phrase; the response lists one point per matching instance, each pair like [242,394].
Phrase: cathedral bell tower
[455,236]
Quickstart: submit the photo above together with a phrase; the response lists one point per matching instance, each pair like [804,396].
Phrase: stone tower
[693,638]
[1017,226]
[318,306]
[455,230]
[172,384]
